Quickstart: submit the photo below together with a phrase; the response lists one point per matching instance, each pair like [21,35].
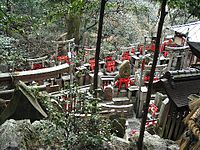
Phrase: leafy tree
[9,55]
[127,22]
[190,6]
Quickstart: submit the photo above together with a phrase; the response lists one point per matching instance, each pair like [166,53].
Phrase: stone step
[117,106]
[124,113]
[104,103]
[109,108]
[121,109]
[107,112]
[121,100]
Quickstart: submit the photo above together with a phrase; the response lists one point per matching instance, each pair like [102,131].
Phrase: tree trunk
[98,45]
[73,28]
[156,54]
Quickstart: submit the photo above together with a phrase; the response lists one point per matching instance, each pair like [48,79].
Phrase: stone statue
[124,70]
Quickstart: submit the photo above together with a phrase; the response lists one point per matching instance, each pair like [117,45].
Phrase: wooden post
[98,45]
[144,118]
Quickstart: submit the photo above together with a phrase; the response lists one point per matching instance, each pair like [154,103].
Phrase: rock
[117,125]
[3,68]
[87,79]
[108,92]
[152,142]
[107,146]
[22,135]
[14,133]
[132,124]
[120,144]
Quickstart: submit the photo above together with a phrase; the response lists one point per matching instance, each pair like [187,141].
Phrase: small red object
[37,66]
[92,64]
[126,56]
[133,50]
[166,54]
[161,48]
[148,47]
[63,58]
[153,108]
[134,131]
[110,66]
[168,42]
[108,58]
[120,81]
[151,122]
[140,48]
[146,78]
[153,47]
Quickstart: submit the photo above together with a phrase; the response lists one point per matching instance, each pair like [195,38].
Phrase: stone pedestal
[141,101]
[163,111]
[123,92]
[132,90]
[159,98]
[132,93]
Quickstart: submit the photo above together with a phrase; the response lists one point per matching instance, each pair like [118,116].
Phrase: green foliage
[36,22]
[53,108]
[47,136]
[128,21]
[88,133]
[190,6]
[80,133]
[9,54]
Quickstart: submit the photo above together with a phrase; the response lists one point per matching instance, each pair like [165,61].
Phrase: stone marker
[108,93]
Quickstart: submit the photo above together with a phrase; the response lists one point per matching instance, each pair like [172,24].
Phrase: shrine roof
[179,87]
[195,47]
[192,29]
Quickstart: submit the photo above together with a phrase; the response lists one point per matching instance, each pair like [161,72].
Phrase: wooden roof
[178,89]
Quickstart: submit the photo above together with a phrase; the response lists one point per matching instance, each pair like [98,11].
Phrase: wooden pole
[155,59]
[98,45]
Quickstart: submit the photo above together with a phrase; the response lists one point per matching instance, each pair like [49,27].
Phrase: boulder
[22,135]
[152,142]
[120,143]
[14,133]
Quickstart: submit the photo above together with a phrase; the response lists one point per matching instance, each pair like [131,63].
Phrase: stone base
[121,93]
